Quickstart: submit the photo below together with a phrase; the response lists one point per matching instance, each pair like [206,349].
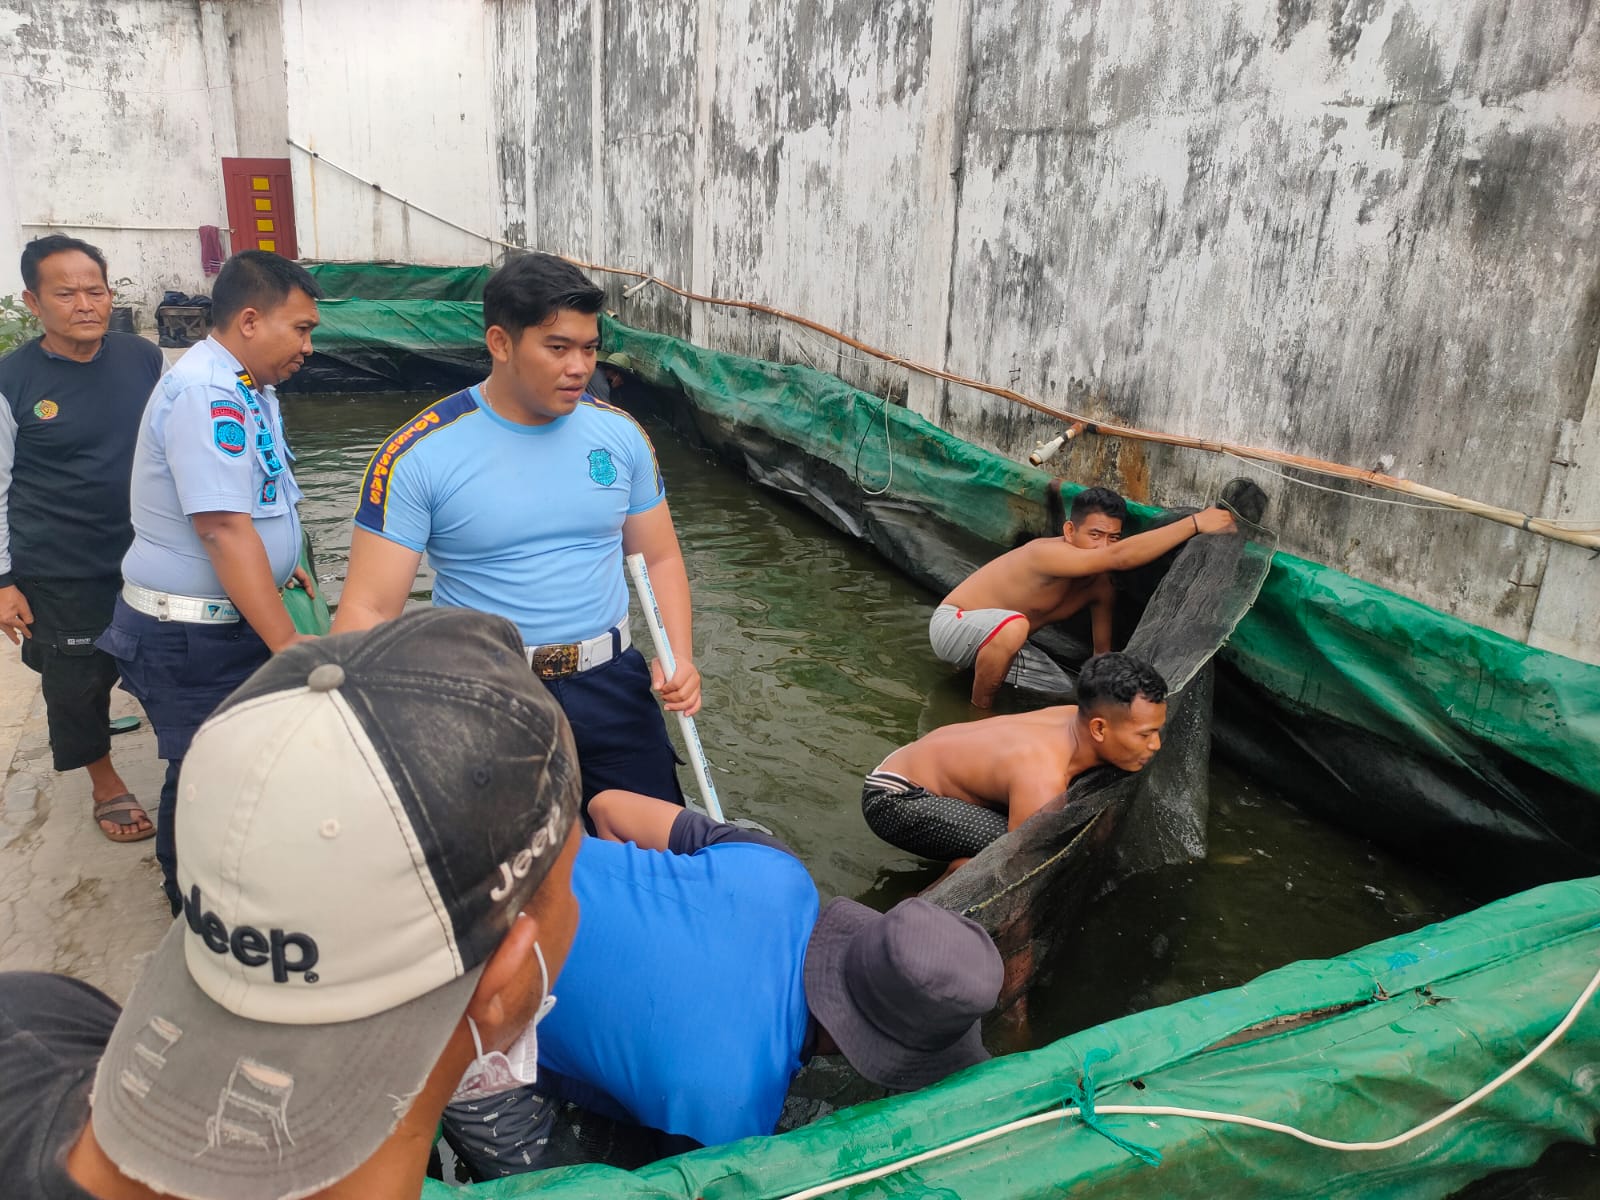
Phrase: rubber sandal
[124,725]
[120,810]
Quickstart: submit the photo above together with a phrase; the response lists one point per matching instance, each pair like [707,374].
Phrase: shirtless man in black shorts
[985,621]
[948,795]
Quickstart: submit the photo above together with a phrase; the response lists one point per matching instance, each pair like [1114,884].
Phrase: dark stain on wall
[1347,20]
[1293,16]
[1575,365]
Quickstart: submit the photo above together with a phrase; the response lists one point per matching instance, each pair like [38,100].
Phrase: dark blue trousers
[180,671]
[619,730]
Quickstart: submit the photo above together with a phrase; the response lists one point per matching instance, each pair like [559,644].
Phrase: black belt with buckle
[555,662]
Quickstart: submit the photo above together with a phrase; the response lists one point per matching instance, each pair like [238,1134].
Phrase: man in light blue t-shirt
[525,492]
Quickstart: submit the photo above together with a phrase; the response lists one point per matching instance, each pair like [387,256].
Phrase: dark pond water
[816,665]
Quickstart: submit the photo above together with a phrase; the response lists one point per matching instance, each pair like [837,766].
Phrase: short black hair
[257,279]
[1116,680]
[529,289]
[1098,500]
[36,251]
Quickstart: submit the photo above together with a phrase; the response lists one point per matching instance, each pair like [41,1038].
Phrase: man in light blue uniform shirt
[526,492]
[216,534]
[548,556]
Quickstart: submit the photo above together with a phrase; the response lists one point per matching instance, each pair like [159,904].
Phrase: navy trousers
[180,671]
[619,731]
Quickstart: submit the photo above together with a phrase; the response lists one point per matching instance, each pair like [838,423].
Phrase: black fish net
[1028,887]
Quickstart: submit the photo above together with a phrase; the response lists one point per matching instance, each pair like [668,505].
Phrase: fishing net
[1028,887]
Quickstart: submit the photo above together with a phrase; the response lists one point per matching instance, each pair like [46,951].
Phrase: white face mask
[494,1072]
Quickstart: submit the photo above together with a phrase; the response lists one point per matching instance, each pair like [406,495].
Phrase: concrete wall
[1361,230]
[396,91]
[111,134]
[1356,231]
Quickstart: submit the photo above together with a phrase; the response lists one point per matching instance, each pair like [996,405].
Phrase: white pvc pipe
[658,634]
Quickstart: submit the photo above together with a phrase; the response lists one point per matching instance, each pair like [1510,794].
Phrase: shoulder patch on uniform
[229,408]
[228,436]
[375,483]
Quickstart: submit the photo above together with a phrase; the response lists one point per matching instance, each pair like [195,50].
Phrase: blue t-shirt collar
[551,426]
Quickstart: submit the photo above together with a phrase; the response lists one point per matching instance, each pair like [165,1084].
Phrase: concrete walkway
[71,901]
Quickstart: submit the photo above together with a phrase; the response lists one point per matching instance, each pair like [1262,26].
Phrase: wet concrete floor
[71,901]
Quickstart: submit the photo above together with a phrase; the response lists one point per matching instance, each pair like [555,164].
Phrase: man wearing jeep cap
[352,943]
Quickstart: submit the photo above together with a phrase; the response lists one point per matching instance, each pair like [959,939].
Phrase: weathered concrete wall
[1355,231]
[1360,230]
[111,134]
[252,32]
[396,91]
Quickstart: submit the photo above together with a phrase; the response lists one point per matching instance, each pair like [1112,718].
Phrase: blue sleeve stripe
[374,504]
[603,406]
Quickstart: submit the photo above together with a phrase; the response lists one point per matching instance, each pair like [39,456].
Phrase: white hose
[1057,1114]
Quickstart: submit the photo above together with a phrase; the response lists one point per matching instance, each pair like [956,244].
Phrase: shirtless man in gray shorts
[984,623]
[949,794]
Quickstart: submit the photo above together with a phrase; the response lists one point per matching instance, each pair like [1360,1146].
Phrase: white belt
[569,658]
[165,606]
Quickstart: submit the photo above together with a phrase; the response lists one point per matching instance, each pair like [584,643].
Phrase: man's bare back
[1012,764]
[1048,580]
[943,796]
[1028,580]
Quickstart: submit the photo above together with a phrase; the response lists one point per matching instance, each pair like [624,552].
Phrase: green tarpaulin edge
[399,281]
[1317,639]
[1413,1024]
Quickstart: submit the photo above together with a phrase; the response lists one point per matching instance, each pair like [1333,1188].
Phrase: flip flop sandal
[123,725]
[120,810]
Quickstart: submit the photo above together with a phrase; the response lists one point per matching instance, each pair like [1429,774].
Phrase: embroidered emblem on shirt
[601,469]
[269,491]
[46,409]
[228,434]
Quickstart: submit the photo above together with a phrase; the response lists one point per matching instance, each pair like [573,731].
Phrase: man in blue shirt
[683,915]
[216,533]
[70,402]
[525,492]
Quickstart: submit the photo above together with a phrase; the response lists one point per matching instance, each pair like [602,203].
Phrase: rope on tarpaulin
[1089,1114]
[1577,532]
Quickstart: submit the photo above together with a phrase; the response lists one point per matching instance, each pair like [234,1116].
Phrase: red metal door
[260,204]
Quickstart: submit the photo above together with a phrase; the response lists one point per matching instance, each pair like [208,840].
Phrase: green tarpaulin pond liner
[1409,726]
[1418,730]
[1383,715]
[1359,1047]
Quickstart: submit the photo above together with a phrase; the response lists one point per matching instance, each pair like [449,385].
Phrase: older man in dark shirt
[70,404]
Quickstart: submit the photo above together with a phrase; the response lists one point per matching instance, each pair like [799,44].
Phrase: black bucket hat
[902,992]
